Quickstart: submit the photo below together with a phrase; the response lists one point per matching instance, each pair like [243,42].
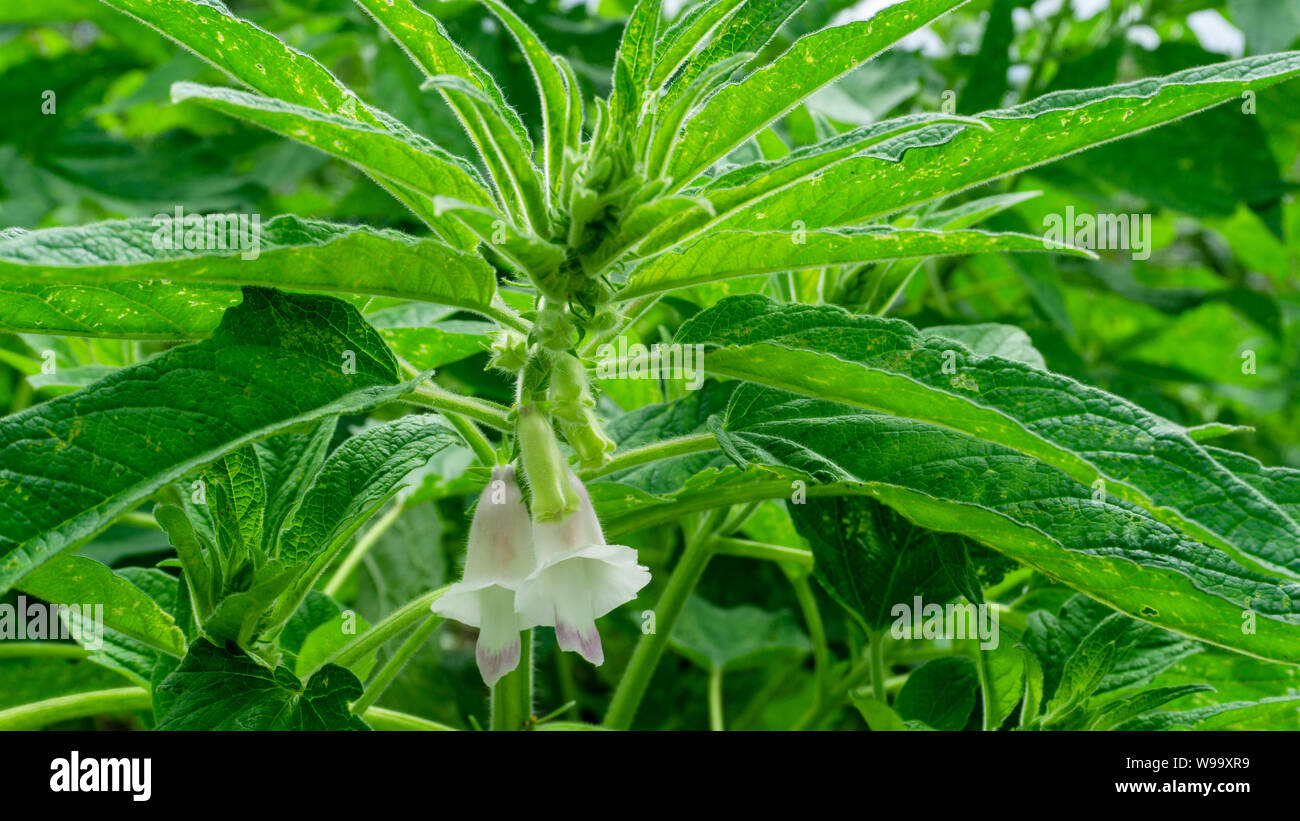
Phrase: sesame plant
[660,309]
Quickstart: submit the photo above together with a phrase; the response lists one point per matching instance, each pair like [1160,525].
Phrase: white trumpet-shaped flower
[578,578]
[498,558]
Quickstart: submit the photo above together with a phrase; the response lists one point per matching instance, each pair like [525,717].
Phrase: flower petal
[497,651]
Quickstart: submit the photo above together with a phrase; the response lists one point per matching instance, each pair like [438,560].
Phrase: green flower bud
[509,351]
[553,498]
[588,439]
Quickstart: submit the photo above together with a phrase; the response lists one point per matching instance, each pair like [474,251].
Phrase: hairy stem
[645,658]
[512,696]
[360,549]
[715,700]
[78,705]
[694,443]
[375,688]
[480,410]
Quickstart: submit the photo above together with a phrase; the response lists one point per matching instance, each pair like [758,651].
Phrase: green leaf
[551,88]
[291,253]
[389,151]
[728,254]
[289,462]
[949,481]
[1219,716]
[992,339]
[635,62]
[424,336]
[879,717]
[720,638]
[75,463]
[746,30]
[215,689]
[128,609]
[870,559]
[691,28]
[738,111]
[940,693]
[129,310]
[1121,710]
[495,127]
[358,478]
[945,160]
[1090,435]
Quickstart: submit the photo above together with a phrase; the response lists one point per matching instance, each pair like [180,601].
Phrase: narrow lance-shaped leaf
[748,29]
[954,482]
[734,189]
[495,127]
[692,27]
[635,61]
[551,89]
[728,254]
[286,252]
[406,160]
[259,60]
[71,465]
[885,365]
[861,188]
[740,110]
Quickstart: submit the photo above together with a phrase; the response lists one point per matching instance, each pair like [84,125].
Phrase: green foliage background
[1168,334]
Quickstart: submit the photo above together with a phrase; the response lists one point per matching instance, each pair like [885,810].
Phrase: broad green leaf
[358,478]
[330,636]
[130,310]
[945,160]
[727,254]
[870,559]
[75,463]
[214,689]
[1090,662]
[289,253]
[940,693]
[1279,484]
[424,336]
[879,717]
[721,638]
[886,366]
[236,498]
[289,462]
[738,111]
[360,474]
[127,608]
[942,479]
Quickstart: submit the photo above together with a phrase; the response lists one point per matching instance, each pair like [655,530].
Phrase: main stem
[645,658]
